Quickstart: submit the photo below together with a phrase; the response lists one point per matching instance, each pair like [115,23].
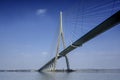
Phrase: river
[58,76]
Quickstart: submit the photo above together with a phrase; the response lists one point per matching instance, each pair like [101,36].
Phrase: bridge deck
[104,26]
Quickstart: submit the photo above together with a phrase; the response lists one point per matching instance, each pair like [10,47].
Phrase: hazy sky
[29,30]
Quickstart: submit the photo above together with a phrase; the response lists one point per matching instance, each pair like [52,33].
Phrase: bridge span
[102,27]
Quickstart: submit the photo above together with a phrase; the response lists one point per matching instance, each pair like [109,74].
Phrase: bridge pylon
[60,37]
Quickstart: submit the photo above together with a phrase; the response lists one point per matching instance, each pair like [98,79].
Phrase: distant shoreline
[18,70]
[62,70]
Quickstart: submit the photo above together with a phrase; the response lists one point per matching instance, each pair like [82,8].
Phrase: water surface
[58,76]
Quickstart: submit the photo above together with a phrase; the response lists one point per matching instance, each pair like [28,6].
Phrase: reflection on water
[55,76]
[58,76]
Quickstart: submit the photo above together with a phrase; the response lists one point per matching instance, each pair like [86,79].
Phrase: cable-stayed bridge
[110,22]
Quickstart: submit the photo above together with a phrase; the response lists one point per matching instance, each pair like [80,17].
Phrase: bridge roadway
[104,26]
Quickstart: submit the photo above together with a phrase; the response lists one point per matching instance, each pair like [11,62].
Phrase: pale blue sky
[29,29]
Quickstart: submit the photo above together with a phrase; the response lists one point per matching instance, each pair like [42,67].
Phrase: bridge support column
[67,63]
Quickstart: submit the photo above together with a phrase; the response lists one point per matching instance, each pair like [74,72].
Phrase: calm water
[58,76]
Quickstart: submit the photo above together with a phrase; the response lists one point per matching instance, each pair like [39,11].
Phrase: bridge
[102,27]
